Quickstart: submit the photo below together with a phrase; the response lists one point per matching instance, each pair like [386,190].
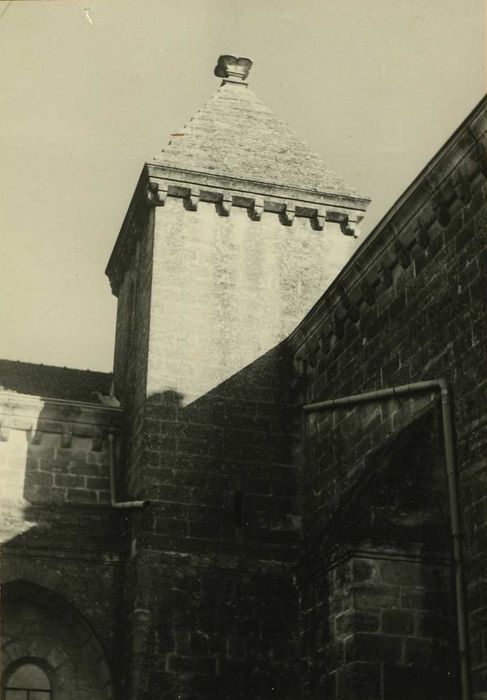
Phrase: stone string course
[413,245]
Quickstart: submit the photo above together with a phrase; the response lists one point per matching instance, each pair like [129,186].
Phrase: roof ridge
[49,366]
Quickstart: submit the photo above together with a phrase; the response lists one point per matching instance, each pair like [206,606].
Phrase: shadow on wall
[401,491]
[39,628]
[62,546]
[214,551]
[229,453]
[219,474]
[383,566]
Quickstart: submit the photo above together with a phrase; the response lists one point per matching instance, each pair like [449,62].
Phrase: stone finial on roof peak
[233,69]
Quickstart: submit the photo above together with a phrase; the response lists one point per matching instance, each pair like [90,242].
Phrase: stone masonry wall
[210,600]
[55,453]
[131,348]
[204,300]
[226,289]
[410,306]
[372,636]
[38,625]
[211,556]
[60,535]
[376,570]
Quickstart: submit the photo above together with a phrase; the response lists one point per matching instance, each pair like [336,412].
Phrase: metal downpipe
[453,496]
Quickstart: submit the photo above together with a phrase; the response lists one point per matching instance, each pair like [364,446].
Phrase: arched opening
[48,650]
[25,679]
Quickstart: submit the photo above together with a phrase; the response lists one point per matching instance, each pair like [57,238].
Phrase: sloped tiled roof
[53,382]
[236,135]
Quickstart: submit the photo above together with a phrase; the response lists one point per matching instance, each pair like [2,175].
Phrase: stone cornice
[157,182]
[36,415]
[99,555]
[444,184]
[249,189]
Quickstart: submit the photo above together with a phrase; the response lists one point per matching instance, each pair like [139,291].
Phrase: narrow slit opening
[238,508]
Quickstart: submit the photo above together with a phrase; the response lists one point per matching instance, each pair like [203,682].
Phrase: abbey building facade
[280,492]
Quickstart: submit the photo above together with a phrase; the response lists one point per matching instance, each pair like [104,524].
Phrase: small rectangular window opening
[238,508]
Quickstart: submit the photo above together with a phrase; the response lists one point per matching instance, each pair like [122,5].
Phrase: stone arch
[40,624]
[12,669]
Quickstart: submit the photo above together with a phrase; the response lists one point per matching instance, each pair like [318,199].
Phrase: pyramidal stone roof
[236,135]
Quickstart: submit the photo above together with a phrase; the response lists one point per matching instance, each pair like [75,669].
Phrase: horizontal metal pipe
[453,495]
[432,385]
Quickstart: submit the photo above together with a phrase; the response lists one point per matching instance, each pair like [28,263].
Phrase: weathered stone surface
[280,557]
[373,479]
[234,134]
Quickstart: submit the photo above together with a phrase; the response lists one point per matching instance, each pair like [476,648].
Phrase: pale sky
[93,88]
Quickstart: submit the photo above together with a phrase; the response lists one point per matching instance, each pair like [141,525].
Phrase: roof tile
[53,382]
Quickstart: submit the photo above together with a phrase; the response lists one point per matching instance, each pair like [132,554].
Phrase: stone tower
[233,233]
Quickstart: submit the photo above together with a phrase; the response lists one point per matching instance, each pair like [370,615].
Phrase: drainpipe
[453,495]
[140,615]
[121,505]
[140,637]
